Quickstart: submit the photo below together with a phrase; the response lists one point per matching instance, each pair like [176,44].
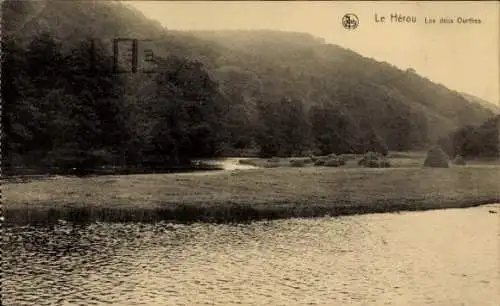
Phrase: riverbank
[239,196]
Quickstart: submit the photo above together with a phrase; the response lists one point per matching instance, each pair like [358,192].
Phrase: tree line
[474,141]
[68,109]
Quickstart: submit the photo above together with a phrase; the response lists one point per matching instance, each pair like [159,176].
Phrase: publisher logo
[350,21]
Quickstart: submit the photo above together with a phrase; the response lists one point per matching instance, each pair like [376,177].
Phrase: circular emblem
[350,21]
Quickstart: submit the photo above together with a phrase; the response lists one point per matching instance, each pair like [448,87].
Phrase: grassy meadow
[261,193]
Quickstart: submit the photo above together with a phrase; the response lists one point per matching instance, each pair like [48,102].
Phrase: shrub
[459,160]
[370,163]
[436,158]
[298,163]
[271,165]
[305,160]
[369,159]
[374,160]
[384,163]
[332,163]
[319,162]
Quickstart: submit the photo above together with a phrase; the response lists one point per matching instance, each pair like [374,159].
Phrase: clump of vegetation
[436,158]
[374,160]
[333,162]
[271,165]
[384,163]
[319,162]
[459,160]
[474,141]
[298,163]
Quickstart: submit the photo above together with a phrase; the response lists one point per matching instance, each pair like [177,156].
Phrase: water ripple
[423,258]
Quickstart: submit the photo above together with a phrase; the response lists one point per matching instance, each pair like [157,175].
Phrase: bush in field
[436,158]
[459,160]
[271,165]
[370,159]
[332,163]
[329,161]
[370,163]
[384,163]
[305,160]
[298,163]
[374,160]
[319,162]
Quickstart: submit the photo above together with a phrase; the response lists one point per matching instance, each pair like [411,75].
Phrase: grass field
[262,193]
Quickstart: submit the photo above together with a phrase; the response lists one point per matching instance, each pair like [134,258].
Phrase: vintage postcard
[250,153]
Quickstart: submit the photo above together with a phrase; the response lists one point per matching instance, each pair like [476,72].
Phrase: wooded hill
[213,93]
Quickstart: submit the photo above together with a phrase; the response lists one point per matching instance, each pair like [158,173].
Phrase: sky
[461,56]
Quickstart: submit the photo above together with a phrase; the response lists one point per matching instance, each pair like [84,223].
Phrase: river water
[446,257]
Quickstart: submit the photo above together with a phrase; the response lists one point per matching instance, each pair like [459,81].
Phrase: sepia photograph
[250,153]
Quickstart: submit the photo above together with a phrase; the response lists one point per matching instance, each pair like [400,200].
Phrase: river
[227,164]
[445,257]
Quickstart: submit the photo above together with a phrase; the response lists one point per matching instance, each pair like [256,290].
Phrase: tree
[268,135]
[294,125]
[330,129]
[189,112]
[63,112]
[474,141]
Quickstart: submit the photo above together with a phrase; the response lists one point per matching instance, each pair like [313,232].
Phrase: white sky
[463,57]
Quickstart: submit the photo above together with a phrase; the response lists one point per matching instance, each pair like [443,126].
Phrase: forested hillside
[213,93]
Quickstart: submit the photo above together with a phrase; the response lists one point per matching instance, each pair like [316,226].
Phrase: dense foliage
[475,141]
[70,110]
[213,93]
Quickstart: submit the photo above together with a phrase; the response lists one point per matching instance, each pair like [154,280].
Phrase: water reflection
[447,257]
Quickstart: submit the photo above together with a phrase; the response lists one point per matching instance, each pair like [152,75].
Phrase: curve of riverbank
[229,213]
[242,196]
